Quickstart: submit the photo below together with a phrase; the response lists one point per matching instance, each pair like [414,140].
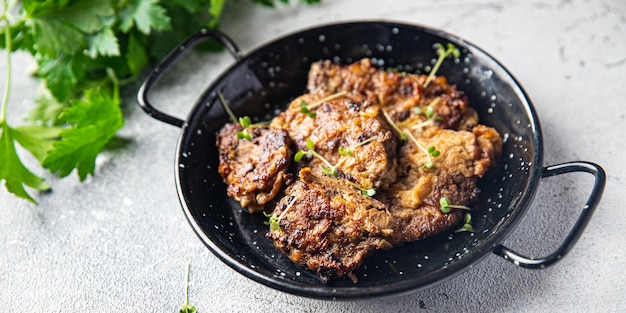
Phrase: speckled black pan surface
[265,80]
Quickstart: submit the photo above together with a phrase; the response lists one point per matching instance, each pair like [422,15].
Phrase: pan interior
[264,82]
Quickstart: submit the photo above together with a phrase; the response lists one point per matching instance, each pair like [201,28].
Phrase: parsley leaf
[103,43]
[215,10]
[95,119]
[60,76]
[145,15]
[36,139]
[13,172]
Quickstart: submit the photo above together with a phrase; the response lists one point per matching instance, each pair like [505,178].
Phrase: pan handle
[579,226]
[142,94]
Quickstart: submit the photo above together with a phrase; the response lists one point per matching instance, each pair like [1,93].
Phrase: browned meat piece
[328,226]
[414,199]
[398,93]
[254,171]
[348,122]
[326,77]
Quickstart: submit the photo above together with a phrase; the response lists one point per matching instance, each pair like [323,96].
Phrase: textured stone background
[120,241]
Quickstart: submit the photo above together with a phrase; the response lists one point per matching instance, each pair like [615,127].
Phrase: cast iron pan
[263,81]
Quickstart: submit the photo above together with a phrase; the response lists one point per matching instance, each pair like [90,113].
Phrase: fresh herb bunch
[86,50]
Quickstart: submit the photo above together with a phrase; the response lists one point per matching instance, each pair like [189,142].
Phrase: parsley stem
[115,81]
[8,48]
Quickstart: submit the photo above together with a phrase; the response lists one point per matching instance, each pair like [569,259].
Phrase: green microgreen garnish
[443,53]
[304,109]
[446,207]
[307,108]
[345,152]
[429,113]
[329,169]
[186,307]
[366,192]
[245,121]
[348,152]
[433,151]
[401,134]
[430,151]
[467,226]
[274,221]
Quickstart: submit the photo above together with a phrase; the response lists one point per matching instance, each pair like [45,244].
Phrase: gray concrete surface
[119,240]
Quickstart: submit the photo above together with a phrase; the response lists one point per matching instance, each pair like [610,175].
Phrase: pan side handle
[579,226]
[144,90]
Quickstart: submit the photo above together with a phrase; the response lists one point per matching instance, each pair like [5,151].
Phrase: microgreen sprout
[429,113]
[430,151]
[245,121]
[366,192]
[186,307]
[467,226]
[307,108]
[274,221]
[348,152]
[329,169]
[446,207]
[244,134]
[443,53]
[345,152]
[393,124]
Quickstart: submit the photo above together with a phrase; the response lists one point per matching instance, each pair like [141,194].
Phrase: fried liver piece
[465,156]
[398,93]
[351,122]
[328,226]
[255,171]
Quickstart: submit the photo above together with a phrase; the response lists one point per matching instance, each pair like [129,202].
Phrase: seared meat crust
[254,171]
[414,198]
[345,122]
[329,227]
[398,93]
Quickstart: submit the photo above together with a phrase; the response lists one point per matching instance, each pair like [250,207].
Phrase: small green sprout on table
[186,307]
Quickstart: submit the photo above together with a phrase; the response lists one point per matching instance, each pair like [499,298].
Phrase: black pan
[265,80]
